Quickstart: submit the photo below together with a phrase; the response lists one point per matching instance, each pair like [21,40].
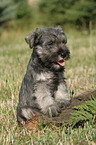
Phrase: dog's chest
[43,76]
[51,79]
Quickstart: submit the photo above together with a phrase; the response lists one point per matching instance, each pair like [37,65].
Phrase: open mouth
[61,62]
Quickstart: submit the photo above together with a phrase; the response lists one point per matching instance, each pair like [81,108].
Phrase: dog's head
[49,45]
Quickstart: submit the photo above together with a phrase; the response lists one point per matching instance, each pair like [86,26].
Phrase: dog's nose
[63,55]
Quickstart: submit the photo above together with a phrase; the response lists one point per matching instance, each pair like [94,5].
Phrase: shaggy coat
[43,88]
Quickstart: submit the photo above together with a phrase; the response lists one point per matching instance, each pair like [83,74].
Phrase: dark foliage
[78,12]
[13,9]
[23,9]
[7,11]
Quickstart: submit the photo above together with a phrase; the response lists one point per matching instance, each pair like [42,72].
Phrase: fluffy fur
[44,89]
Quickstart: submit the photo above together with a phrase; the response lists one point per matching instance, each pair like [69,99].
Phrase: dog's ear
[33,38]
[58,28]
[30,39]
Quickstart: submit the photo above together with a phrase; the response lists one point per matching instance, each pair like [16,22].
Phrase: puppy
[44,89]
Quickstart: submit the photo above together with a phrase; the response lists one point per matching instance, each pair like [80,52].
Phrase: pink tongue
[61,63]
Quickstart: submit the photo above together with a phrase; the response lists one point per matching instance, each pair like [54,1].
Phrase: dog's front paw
[53,110]
[63,103]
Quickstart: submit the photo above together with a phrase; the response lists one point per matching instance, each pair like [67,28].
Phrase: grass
[80,74]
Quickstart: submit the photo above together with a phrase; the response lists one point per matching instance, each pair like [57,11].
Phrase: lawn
[81,76]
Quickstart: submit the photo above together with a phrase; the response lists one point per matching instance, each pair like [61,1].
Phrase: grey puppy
[44,89]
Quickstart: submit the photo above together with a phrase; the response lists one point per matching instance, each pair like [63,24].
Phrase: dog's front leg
[45,100]
[62,95]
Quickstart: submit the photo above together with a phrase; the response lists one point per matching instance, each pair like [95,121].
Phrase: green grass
[81,76]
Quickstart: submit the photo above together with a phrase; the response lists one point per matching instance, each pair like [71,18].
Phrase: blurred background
[17,19]
[27,14]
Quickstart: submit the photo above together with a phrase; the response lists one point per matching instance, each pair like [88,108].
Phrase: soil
[65,113]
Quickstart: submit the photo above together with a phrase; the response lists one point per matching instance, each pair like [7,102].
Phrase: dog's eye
[60,52]
[50,43]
